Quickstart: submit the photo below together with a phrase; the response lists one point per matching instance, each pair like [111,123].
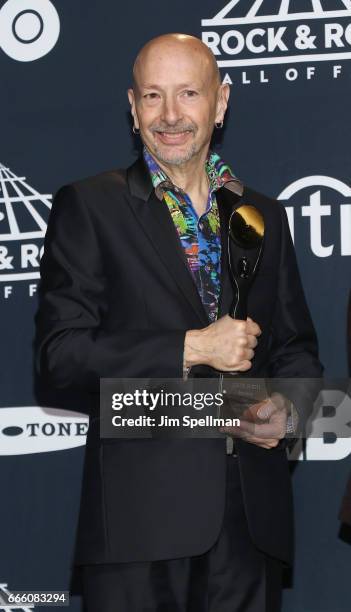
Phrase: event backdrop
[65,66]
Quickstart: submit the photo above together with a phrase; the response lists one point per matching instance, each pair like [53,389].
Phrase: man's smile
[173,138]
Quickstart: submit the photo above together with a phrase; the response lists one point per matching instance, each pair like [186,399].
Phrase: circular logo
[28,29]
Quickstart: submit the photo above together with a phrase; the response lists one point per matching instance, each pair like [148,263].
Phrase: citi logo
[24,213]
[321,199]
[29,29]
[31,429]
[239,36]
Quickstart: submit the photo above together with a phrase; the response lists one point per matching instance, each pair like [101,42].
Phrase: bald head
[177,99]
[186,48]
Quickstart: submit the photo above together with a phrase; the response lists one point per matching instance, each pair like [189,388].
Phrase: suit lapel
[157,223]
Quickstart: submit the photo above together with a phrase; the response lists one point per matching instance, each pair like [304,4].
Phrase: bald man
[135,283]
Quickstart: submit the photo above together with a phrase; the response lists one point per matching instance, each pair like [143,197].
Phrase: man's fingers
[263,443]
[267,409]
[244,365]
[267,444]
[248,327]
[238,326]
[231,343]
[247,341]
[252,328]
[263,431]
[252,341]
[241,366]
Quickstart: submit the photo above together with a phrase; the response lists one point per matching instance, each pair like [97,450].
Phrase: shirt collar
[218,172]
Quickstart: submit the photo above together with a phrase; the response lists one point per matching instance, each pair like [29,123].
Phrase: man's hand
[263,424]
[227,345]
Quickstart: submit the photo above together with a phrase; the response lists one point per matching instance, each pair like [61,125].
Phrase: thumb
[266,410]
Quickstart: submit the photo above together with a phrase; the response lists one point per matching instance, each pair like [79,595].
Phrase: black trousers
[233,576]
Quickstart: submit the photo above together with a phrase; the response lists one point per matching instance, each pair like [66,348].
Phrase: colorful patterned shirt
[199,236]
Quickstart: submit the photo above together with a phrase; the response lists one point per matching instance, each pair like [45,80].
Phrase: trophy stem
[238,309]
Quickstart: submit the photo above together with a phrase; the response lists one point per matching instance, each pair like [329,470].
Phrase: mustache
[173,130]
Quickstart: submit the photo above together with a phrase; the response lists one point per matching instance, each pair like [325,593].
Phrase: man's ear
[131,98]
[222,101]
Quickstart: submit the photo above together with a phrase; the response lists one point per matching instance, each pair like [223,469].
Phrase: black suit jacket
[116,299]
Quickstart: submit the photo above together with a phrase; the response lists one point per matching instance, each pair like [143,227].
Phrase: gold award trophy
[245,244]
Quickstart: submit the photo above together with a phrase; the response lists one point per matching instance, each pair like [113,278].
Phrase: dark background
[65,116]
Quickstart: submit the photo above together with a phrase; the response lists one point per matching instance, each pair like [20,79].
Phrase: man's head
[177,97]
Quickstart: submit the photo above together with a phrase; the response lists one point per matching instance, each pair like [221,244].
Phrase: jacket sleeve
[72,348]
[294,347]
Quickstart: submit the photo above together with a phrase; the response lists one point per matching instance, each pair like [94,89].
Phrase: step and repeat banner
[65,66]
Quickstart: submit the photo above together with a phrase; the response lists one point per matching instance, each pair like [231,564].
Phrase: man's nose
[171,111]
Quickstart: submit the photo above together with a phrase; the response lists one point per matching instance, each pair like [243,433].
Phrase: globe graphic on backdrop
[24,214]
[23,210]
[239,11]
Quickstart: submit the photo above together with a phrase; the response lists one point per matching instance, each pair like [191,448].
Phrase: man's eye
[150,96]
[190,93]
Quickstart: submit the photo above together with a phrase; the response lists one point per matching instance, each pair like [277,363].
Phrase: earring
[136,131]
[219,125]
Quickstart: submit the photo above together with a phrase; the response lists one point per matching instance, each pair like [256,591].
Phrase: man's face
[175,102]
